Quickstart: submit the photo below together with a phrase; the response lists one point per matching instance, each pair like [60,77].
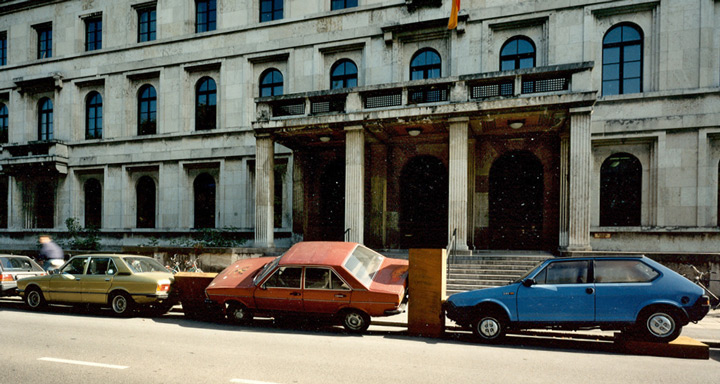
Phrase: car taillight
[7,277]
[163,286]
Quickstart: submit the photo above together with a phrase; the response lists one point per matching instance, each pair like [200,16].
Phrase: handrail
[346,235]
[451,250]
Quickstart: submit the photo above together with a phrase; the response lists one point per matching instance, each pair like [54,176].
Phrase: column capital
[354,128]
[459,120]
[581,110]
[263,135]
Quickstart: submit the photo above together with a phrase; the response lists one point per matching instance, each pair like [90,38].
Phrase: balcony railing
[558,79]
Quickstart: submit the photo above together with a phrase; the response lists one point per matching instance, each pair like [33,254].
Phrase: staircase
[490,269]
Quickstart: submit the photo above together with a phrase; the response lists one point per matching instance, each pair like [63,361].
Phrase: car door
[66,285]
[561,293]
[281,291]
[98,280]
[622,286]
[324,291]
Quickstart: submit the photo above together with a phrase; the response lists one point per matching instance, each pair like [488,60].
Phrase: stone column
[458,182]
[264,191]
[579,182]
[354,183]
[564,190]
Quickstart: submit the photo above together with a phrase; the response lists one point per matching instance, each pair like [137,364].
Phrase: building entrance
[424,203]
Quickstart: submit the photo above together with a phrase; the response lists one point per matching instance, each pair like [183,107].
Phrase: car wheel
[355,321]
[34,298]
[238,313]
[121,303]
[659,325]
[489,328]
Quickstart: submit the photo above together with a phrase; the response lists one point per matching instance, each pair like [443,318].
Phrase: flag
[452,23]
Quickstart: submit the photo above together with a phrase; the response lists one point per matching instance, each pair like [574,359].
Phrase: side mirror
[528,282]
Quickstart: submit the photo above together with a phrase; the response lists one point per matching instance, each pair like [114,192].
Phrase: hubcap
[119,304]
[239,314]
[354,320]
[661,324]
[34,299]
[489,328]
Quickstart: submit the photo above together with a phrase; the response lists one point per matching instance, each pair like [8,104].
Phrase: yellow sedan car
[122,282]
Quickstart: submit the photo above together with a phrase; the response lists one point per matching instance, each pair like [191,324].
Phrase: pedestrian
[50,252]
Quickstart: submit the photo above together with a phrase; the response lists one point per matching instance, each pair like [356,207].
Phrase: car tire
[355,321]
[659,325]
[34,298]
[489,328]
[238,313]
[121,303]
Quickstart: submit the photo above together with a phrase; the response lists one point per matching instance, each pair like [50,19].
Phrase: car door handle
[108,279]
[294,293]
[339,295]
[589,290]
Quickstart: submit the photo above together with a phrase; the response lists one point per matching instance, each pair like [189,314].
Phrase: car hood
[240,274]
[391,277]
[474,297]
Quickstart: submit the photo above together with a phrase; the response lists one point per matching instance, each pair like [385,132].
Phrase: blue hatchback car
[635,295]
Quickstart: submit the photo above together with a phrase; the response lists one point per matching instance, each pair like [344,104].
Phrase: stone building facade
[535,125]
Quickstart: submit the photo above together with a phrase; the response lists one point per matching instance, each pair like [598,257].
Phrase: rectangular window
[206,15]
[271,10]
[93,34]
[342,4]
[3,48]
[146,24]
[44,41]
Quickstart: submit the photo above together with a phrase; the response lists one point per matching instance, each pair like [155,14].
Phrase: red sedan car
[344,281]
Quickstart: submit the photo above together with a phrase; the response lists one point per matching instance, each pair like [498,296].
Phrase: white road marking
[243,381]
[86,363]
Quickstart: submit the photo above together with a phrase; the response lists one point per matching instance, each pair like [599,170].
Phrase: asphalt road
[66,345]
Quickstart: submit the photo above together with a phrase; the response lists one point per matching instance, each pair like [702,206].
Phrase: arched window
[147,110]
[343,74]
[93,203]
[205,104]
[425,64]
[145,195]
[620,190]
[45,119]
[204,188]
[517,53]
[3,123]
[271,83]
[622,60]
[93,116]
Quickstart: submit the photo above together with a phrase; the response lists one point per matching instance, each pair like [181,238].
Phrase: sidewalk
[706,331]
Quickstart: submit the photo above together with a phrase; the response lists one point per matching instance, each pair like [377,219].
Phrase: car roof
[330,253]
[110,255]
[600,257]
[22,256]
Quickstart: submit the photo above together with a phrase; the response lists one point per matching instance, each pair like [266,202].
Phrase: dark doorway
[332,202]
[620,190]
[45,205]
[93,204]
[424,203]
[204,188]
[3,202]
[146,202]
[516,201]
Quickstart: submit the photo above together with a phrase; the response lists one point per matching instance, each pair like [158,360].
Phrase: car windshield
[530,272]
[265,270]
[363,263]
[18,264]
[144,264]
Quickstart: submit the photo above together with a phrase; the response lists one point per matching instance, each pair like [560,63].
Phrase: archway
[516,201]
[424,203]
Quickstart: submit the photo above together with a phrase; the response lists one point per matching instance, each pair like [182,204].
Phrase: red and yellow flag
[452,23]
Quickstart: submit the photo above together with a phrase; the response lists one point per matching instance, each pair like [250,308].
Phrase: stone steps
[485,270]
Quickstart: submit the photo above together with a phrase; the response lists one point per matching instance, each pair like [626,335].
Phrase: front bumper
[460,315]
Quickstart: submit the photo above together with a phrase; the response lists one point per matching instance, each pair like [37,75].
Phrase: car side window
[285,277]
[98,266]
[317,278]
[76,266]
[566,272]
[112,269]
[623,271]
[337,283]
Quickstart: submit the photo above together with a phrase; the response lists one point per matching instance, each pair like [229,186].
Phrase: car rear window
[623,271]
[17,264]
[143,264]
[363,263]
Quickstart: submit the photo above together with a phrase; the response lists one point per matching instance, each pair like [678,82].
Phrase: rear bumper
[698,311]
